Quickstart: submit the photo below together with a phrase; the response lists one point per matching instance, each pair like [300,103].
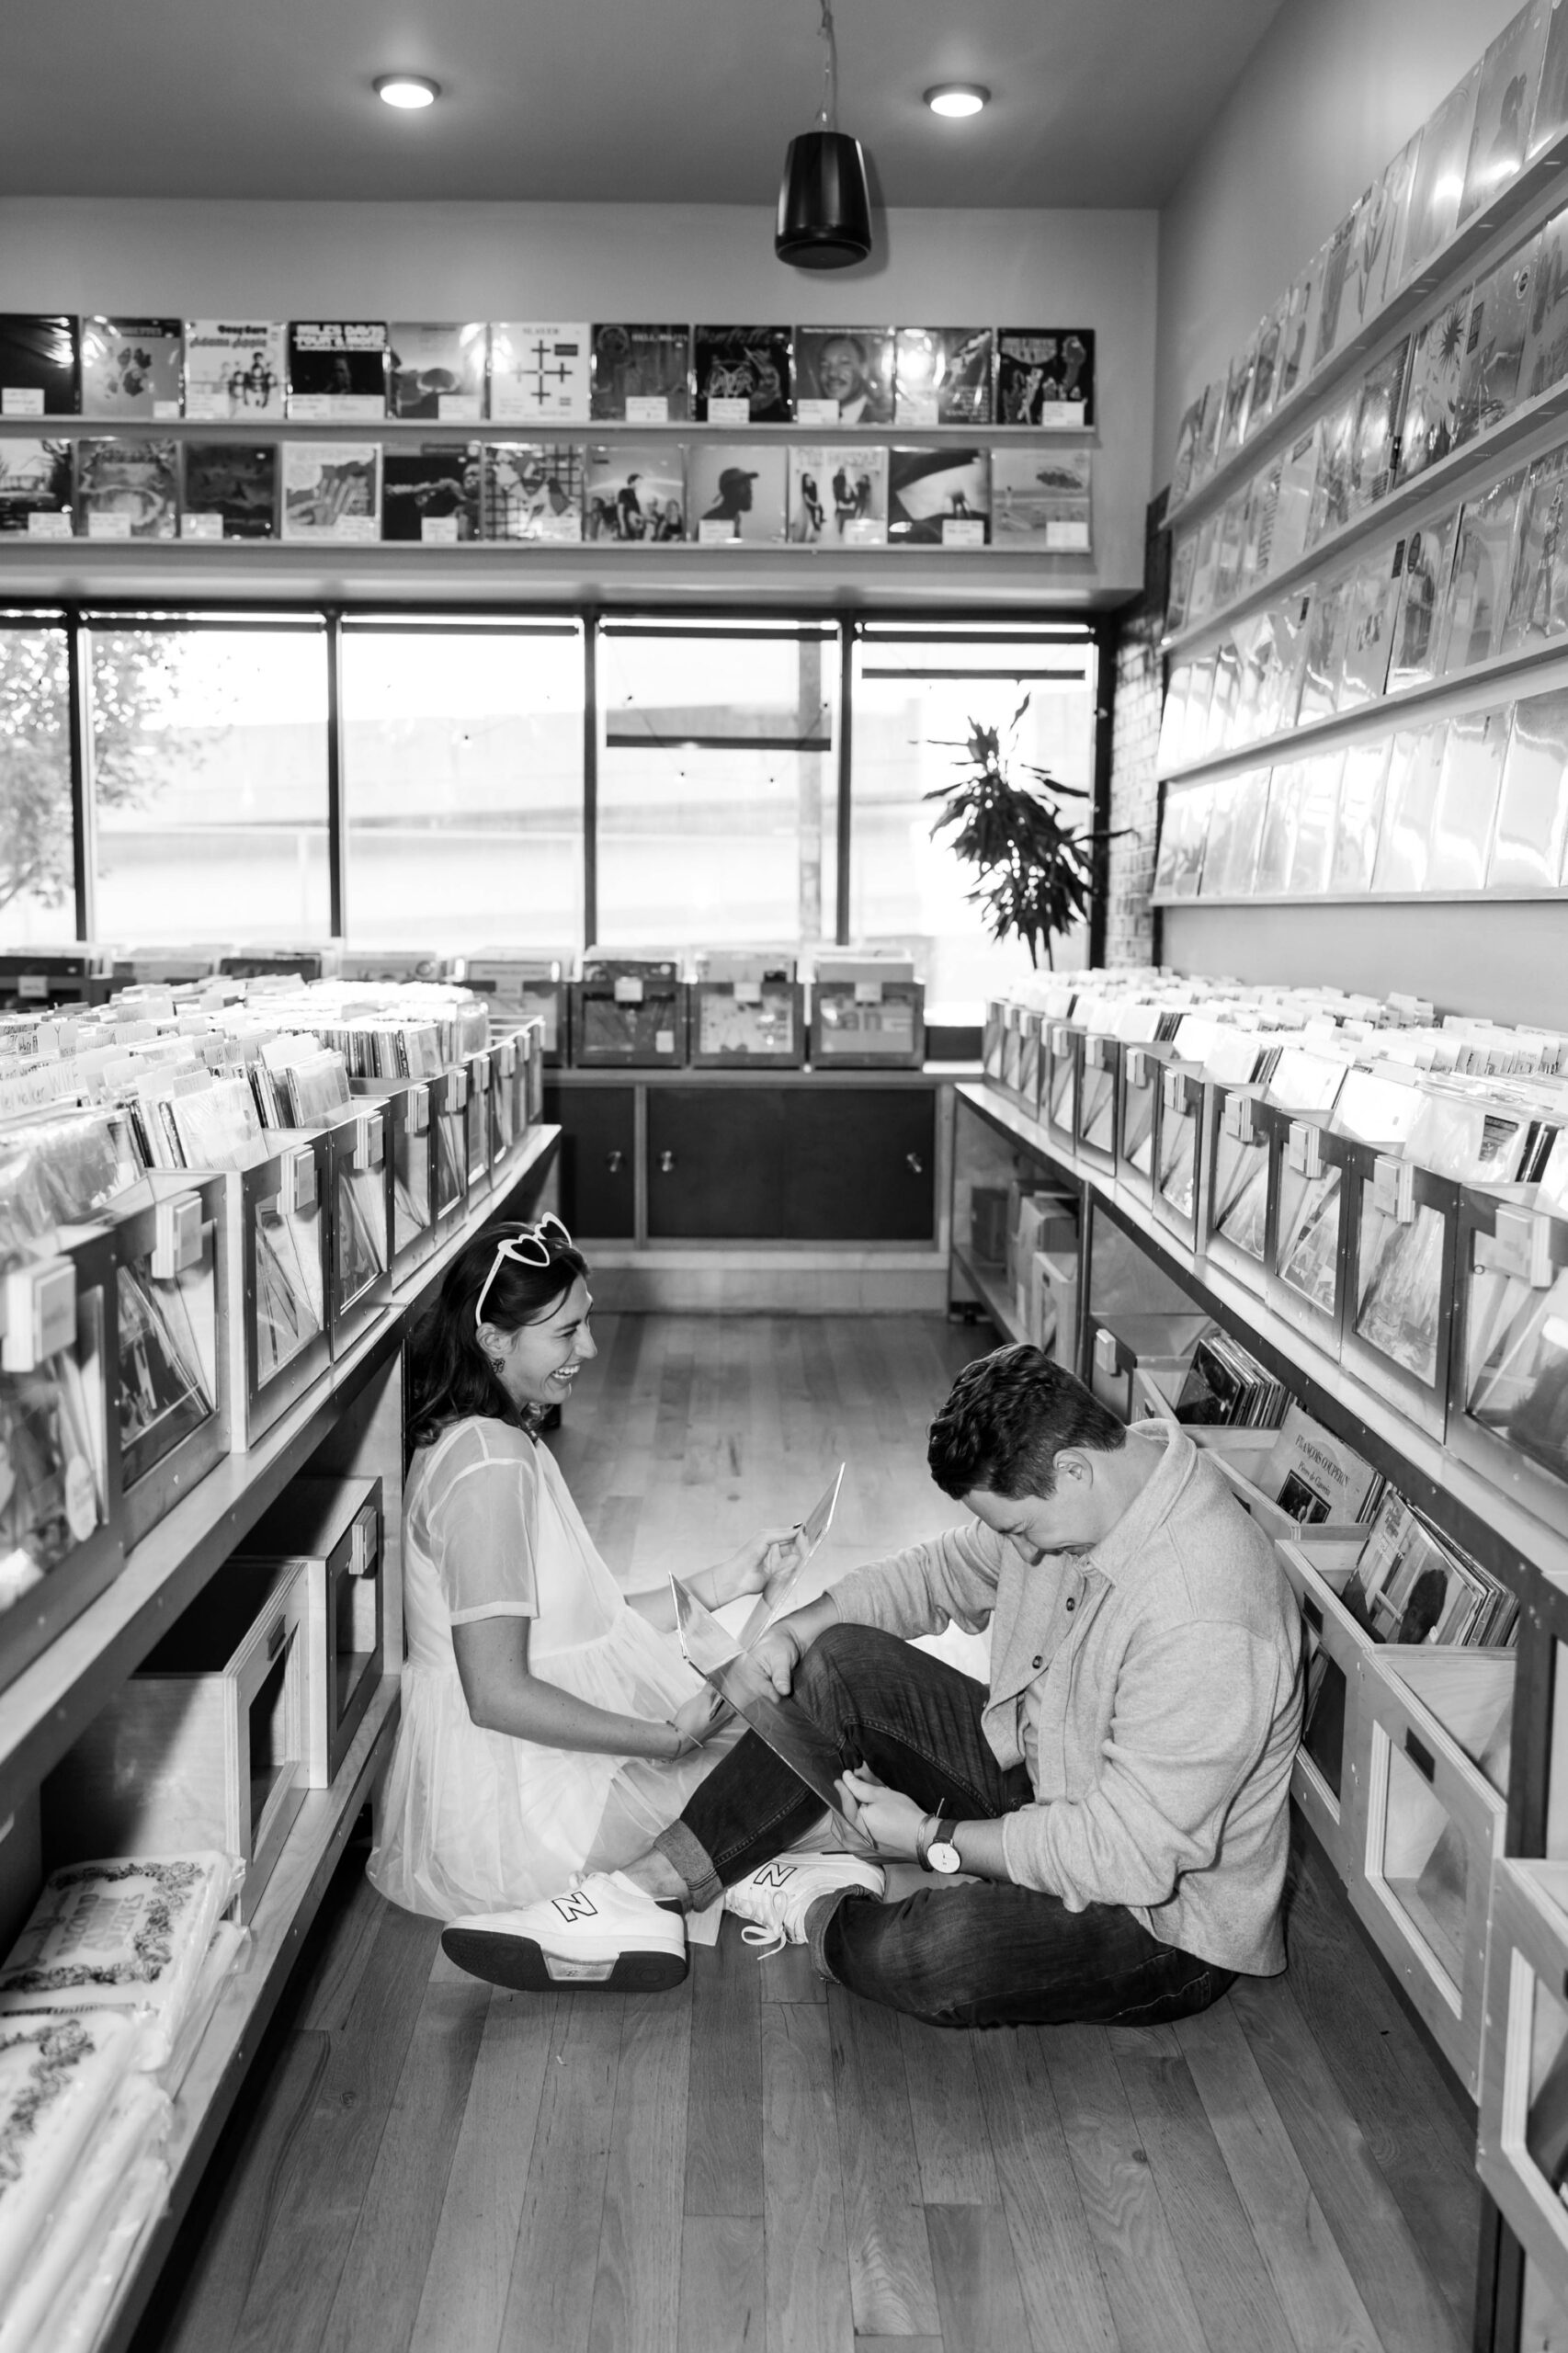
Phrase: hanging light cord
[827,113]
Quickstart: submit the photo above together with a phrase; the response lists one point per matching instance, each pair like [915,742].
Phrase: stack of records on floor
[104,2000]
[1413,1584]
[1226,1385]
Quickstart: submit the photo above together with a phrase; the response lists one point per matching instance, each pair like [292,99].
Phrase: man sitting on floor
[1117,1799]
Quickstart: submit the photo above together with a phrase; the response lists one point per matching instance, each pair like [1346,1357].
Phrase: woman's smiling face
[538,1362]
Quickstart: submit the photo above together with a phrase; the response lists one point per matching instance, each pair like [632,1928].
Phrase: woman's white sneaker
[774,1900]
[605,1934]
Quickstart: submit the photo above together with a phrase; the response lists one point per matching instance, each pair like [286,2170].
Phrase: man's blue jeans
[990,1954]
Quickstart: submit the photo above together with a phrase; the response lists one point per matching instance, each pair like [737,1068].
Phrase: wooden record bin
[172,1309]
[327,1533]
[206,1745]
[63,1512]
[1434,1828]
[1123,1347]
[1328,1778]
[1522,2157]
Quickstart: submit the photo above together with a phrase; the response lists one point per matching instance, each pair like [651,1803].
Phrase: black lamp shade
[824,206]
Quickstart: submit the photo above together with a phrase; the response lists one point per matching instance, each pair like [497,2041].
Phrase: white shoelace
[765,1942]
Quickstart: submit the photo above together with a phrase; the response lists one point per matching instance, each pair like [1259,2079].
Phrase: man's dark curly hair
[1008,1417]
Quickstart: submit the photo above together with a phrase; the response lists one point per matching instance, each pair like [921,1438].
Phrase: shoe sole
[522,1965]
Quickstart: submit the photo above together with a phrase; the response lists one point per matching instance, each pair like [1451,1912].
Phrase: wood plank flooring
[757,2161]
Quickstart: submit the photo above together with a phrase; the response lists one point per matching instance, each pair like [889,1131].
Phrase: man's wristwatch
[935,1850]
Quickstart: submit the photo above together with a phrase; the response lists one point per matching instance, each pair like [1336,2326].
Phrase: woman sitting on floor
[550,1725]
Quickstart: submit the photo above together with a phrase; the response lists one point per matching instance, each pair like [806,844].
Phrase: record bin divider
[146,1222]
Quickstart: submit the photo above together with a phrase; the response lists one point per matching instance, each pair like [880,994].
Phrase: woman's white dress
[475,1821]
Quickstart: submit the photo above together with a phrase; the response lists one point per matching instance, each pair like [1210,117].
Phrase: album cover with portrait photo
[735,492]
[234,368]
[438,370]
[337,370]
[636,369]
[431,492]
[753,364]
[636,493]
[942,375]
[838,495]
[844,375]
[1045,376]
[939,496]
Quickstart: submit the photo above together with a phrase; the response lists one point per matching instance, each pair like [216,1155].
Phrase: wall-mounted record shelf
[1524,204]
[1525,433]
[415,429]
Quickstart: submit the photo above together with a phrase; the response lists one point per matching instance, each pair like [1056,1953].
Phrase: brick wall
[1135,735]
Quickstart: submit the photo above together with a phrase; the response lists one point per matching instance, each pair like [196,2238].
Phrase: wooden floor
[757,2161]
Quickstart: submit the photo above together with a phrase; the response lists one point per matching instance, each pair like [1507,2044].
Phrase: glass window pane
[718,787]
[463,786]
[38,900]
[916,698]
[209,784]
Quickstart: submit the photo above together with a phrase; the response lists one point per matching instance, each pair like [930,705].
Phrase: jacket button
[1039,1663]
[1072,1605]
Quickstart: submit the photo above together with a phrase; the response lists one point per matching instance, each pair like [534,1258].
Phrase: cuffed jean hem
[819,1920]
[690,1860]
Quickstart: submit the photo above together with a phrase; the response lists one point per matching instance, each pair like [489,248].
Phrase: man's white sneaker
[604,1934]
[775,1900]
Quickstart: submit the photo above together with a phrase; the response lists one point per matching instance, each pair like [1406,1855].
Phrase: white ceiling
[1096,102]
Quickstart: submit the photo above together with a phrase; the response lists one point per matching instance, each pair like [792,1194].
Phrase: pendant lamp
[825,205]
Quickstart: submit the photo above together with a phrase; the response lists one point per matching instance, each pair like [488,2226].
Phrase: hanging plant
[1036,873]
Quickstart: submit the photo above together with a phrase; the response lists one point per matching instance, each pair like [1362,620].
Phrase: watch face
[942,1856]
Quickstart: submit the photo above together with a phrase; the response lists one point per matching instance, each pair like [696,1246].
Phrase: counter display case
[628,1015]
[171,1314]
[1508,1397]
[329,1534]
[746,1024]
[60,1525]
[205,1746]
[868,1025]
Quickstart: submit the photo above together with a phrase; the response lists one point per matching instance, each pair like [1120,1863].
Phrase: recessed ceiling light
[407,89]
[957,98]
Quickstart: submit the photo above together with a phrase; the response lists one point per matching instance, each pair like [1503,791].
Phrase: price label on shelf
[628,990]
[458,408]
[1067,539]
[716,534]
[963,530]
[21,400]
[816,412]
[647,408]
[664,1042]
[166,410]
[867,992]
[49,527]
[724,410]
[201,526]
[1061,416]
[109,527]
[441,530]
[206,408]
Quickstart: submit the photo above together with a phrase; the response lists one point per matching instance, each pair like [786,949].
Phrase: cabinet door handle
[615,1162]
[667,1162]
[915,1165]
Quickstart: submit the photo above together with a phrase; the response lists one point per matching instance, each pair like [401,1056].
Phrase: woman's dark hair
[450,1375]
[1007,1419]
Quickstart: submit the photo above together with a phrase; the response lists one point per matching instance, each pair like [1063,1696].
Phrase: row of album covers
[1509,108]
[1486,576]
[1494,345]
[1474,801]
[806,494]
[526,372]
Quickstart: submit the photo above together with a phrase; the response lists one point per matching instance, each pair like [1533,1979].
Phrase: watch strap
[923,1836]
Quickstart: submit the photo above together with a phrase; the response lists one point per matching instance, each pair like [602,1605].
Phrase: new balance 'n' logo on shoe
[578,1906]
[774,1874]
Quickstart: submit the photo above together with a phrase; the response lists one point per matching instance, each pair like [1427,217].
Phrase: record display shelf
[1511,1542]
[1526,432]
[45,1710]
[1526,202]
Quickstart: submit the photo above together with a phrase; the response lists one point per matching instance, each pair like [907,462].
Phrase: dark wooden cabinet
[716,1162]
[598,1158]
[860,1164]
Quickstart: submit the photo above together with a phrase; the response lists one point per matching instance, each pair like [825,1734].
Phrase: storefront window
[463,785]
[718,789]
[38,900]
[917,691]
[209,773]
